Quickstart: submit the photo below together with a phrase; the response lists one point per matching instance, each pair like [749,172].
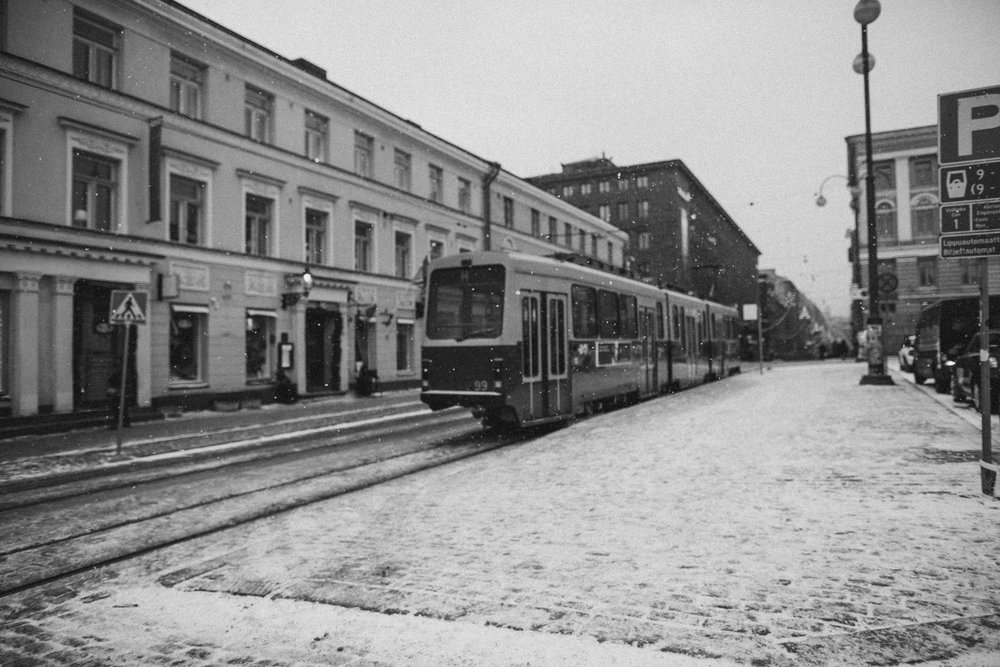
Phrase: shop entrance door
[324,329]
[97,344]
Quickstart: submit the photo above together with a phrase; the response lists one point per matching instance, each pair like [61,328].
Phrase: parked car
[943,331]
[906,353]
[966,371]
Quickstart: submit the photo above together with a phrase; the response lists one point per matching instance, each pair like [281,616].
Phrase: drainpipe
[488,179]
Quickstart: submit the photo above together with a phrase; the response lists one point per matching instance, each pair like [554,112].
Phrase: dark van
[943,331]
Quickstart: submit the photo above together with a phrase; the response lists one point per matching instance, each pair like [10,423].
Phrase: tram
[525,339]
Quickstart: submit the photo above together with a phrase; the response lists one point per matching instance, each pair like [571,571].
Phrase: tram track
[372,458]
[211,451]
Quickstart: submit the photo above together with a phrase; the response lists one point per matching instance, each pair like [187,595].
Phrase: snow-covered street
[793,517]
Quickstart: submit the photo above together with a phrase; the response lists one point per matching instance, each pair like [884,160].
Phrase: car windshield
[465,302]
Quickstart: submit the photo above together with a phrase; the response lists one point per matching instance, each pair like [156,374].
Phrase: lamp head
[867,11]
[859,63]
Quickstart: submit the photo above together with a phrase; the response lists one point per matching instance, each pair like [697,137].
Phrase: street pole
[865,12]
[987,475]
[121,391]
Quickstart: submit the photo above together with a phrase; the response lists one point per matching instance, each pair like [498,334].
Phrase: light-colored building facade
[905,166]
[145,148]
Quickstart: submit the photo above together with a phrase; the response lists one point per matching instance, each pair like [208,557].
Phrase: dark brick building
[679,235]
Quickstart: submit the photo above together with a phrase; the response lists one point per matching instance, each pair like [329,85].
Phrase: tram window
[660,329]
[677,324]
[466,302]
[557,337]
[584,312]
[684,330]
[627,320]
[529,332]
[607,314]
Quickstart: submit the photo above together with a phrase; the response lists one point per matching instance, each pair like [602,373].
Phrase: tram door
[647,323]
[545,354]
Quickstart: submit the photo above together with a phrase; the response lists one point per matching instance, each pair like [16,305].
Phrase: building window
[623,184]
[401,169]
[567,191]
[611,253]
[258,108]
[316,223]
[188,343]
[924,217]
[604,212]
[927,271]
[536,223]
[186,80]
[260,211]
[643,240]
[404,253]
[643,209]
[317,133]
[586,188]
[969,270]
[885,220]
[885,175]
[436,177]
[364,154]
[464,195]
[923,171]
[404,345]
[553,228]
[187,210]
[95,191]
[567,235]
[642,182]
[260,333]
[593,245]
[604,186]
[623,211]
[583,242]
[508,212]
[364,240]
[95,49]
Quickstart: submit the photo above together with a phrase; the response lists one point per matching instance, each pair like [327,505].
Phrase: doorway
[324,329]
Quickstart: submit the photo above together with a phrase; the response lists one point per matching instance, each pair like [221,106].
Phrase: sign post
[128,307]
[969,188]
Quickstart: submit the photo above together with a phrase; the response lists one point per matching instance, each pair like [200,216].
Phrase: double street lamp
[865,12]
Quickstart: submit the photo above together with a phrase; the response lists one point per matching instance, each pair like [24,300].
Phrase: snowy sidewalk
[794,518]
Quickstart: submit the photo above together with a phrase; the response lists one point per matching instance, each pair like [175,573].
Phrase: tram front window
[465,302]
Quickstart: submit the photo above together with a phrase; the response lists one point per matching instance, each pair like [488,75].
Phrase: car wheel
[942,383]
[918,378]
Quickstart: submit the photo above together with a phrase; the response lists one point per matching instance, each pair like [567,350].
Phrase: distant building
[908,225]
[679,235]
[792,326]
[144,147]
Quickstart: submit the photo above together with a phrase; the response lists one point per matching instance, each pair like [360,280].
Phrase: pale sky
[755,96]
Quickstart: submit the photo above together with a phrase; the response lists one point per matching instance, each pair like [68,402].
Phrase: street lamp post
[865,12]
[857,322]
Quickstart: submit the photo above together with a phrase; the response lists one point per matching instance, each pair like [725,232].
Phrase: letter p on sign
[969,126]
[974,114]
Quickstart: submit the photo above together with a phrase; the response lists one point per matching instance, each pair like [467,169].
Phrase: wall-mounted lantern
[301,284]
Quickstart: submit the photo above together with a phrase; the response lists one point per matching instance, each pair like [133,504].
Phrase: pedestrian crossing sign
[128,306]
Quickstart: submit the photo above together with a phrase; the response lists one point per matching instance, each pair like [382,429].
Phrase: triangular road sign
[128,307]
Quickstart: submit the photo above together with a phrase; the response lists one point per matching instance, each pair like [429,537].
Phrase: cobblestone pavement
[794,518]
